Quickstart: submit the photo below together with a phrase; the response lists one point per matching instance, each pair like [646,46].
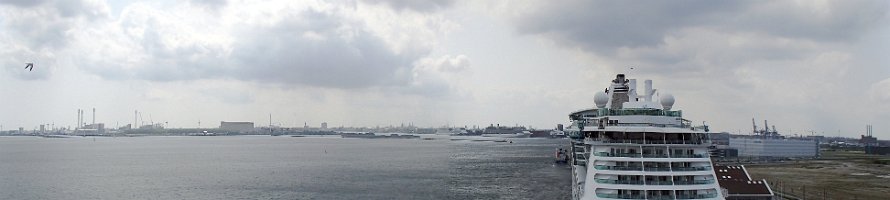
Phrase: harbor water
[280,167]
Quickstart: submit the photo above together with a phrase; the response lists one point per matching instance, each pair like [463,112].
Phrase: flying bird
[29,66]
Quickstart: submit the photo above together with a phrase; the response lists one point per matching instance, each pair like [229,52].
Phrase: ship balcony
[640,182]
[651,169]
[657,169]
[589,140]
[688,156]
[618,168]
[694,182]
[656,156]
[683,169]
[659,183]
[638,155]
[623,155]
[620,196]
[697,196]
[658,197]
[622,182]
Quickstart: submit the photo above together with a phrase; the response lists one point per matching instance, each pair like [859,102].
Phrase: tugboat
[632,147]
[562,156]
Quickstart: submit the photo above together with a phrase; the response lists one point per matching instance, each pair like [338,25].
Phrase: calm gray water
[266,167]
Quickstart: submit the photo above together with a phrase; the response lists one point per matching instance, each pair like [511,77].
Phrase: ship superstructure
[631,147]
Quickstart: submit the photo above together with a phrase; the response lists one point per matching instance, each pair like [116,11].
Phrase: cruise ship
[632,147]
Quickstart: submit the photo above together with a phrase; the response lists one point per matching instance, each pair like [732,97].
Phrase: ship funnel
[647,84]
[632,90]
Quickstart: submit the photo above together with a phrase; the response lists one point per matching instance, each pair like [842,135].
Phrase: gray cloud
[305,48]
[604,26]
[698,38]
[434,77]
[312,51]
[416,5]
[35,31]
[46,24]
[880,92]
[210,4]
[22,3]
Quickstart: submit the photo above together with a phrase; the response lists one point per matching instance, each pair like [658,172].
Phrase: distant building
[152,126]
[324,125]
[877,150]
[737,184]
[774,147]
[92,129]
[868,140]
[724,153]
[241,127]
[721,138]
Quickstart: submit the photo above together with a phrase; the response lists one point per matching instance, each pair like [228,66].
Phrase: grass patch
[837,175]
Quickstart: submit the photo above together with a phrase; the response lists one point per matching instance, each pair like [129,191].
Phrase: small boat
[562,156]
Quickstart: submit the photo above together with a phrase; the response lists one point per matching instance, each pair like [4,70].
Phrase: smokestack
[135,118]
[94,115]
[632,84]
[648,90]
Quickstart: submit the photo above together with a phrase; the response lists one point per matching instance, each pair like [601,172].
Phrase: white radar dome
[601,98]
[667,100]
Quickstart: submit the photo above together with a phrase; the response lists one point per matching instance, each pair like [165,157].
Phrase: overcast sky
[804,65]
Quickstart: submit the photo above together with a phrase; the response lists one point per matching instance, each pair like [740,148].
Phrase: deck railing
[654,169]
[660,197]
[623,182]
[638,155]
[619,168]
[634,141]
[693,182]
[691,168]
[688,156]
[639,196]
[620,196]
[657,169]
[697,196]
[625,155]
[659,183]
[640,182]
